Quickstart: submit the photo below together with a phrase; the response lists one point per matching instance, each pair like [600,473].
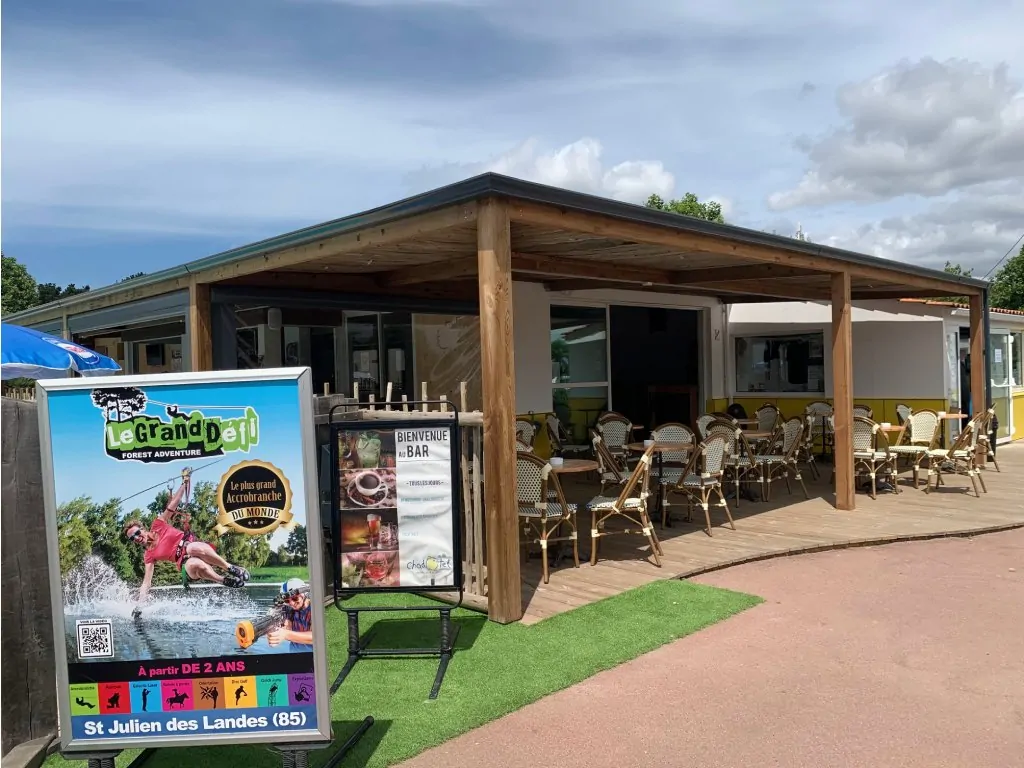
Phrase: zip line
[163,482]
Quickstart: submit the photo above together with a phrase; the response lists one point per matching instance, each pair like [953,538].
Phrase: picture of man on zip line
[196,560]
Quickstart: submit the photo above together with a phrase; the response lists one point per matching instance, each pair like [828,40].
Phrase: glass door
[1001,389]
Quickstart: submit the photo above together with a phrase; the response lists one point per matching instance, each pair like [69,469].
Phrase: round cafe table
[569,466]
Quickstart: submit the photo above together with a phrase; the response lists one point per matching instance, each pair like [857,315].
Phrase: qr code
[95,639]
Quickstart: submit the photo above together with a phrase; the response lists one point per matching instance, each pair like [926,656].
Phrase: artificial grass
[496,669]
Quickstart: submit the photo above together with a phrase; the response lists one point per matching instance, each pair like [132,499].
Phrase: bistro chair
[779,466]
[703,478]
[768,417]
[540,516]
[871,453]
[607,467]
[523,447]
[631,505]
[558,437]
[903,413]
[920,434]
[819,411]
[735,463]
[526,432]
[984,440]
[960,459]
[669,465]
[805,451]
[617,432]
[703,422]
[863,411]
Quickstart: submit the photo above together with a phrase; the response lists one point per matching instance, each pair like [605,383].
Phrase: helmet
[292,585]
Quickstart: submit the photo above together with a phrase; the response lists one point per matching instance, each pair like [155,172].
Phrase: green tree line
[86,527]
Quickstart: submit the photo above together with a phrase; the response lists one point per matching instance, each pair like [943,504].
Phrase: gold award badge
[254,498]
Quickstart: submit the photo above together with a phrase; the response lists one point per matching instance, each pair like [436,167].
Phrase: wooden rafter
[459,268]
[521,212]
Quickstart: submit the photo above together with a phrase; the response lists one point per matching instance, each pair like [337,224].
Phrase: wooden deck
[786,525]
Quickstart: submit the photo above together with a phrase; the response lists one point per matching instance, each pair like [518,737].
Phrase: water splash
[94,589]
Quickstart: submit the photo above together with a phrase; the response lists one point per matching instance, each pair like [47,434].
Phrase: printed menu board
[396,509]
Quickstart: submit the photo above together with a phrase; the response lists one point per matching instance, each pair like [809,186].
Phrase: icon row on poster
[184,695]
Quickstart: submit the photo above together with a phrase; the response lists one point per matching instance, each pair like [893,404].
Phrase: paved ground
[903,655]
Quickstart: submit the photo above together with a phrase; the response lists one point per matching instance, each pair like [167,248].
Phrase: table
[568,466]
[942,422]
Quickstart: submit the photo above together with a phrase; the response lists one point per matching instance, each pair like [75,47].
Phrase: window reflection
[792,363]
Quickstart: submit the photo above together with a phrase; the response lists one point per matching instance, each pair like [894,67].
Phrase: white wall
[531,322]
[891,359]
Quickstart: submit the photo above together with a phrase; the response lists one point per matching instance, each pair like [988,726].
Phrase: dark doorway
[655,364]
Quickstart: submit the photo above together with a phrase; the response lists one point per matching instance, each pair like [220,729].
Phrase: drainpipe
[989,402]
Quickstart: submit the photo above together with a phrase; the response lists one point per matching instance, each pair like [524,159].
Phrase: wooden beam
[359,283]
[497,377]
[336,245]
[200,342]
[458,268]
[842,390]
[732,293]
[555,266]
[714,275]
[977,325]
[553,217]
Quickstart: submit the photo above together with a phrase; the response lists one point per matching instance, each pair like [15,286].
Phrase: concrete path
[903,655]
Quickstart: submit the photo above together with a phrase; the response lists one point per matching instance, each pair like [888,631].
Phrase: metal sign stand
[358,647]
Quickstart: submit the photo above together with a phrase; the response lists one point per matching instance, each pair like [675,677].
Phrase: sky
[138,135]
[81,466]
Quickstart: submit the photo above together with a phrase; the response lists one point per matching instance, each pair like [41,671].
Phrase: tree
[132,276]
[51,292]
[296,545]
[120,401]
[74,540]
[689,205]
[1008,285]
[956,269]
[18,290]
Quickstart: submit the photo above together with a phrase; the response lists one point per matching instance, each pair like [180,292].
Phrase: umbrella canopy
[33,355]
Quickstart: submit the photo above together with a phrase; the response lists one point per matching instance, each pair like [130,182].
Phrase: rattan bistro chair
[607,467]
[920,434]
[539,515]
[703,478]
[779,466]
[617,431]
[984,440]
[960,459]
[631,505]
[871,453]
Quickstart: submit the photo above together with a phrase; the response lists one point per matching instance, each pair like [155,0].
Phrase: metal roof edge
[564,198]
[494,184]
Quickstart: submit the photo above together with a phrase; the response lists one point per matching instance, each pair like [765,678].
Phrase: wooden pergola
[471,240]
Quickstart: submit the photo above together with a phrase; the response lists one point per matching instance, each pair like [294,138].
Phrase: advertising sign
[396,505]
[185,559]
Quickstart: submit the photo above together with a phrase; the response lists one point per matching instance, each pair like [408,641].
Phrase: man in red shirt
[195,559]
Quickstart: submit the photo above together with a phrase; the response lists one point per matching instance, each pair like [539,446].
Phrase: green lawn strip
[497,669]
[278,573]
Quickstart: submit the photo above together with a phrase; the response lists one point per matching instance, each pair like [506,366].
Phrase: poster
[185,559]
[397,500]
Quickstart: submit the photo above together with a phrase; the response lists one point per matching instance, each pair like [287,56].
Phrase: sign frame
[448,421]
[311,738]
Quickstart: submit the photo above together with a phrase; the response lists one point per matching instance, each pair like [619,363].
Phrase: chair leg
[992,455]
[801,481]
[707,515]
[785,476]
[981,478]
[725,505]
[874,486]
[594,537]
[544,553]
[648,526]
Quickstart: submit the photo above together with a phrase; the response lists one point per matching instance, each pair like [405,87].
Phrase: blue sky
[138,135]
[82,468]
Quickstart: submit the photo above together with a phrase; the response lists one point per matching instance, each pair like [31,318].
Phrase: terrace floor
[786,525]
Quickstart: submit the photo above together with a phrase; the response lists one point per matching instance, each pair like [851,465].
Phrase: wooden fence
[29,690]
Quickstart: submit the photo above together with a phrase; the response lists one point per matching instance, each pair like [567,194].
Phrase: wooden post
[201,342]
[497,375]
[842,390]
[978,404]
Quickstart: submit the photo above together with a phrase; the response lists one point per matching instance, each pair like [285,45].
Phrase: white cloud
[922,128]
[579,166]
[973,229]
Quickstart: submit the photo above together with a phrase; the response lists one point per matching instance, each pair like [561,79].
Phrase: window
[1016,352]
[793,363]
[579,367]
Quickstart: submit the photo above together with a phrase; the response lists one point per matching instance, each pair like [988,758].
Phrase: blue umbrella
[33,355]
